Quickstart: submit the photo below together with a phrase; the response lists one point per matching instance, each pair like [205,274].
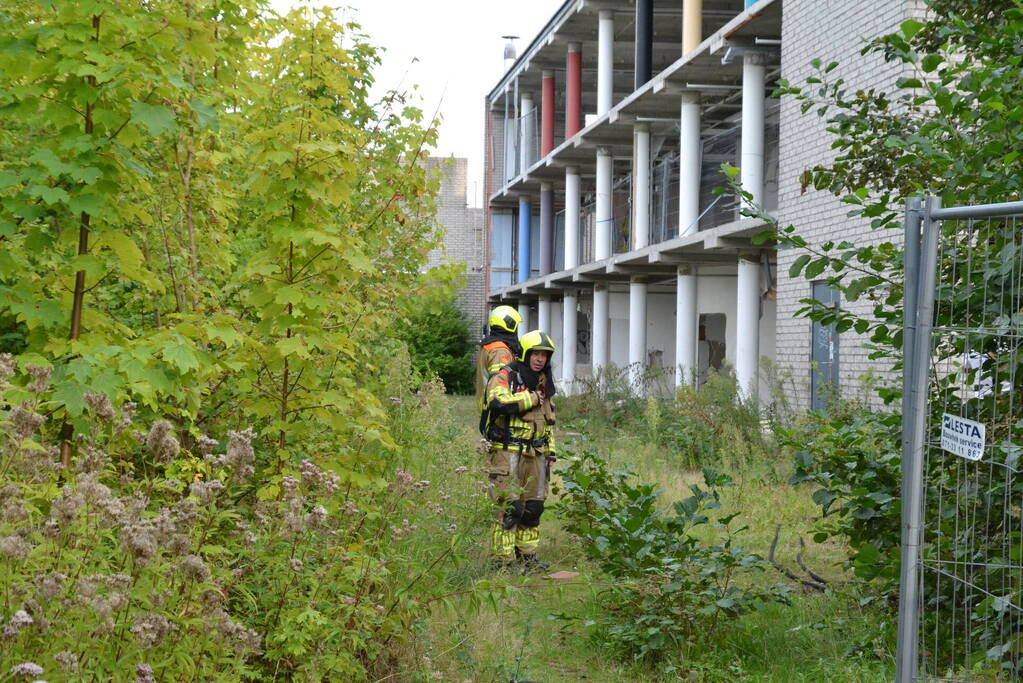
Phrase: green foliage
[204,214]
[191,563]
[438,339]
[950,128]
[670,588]
[193,225]
[708,426]
[852,455]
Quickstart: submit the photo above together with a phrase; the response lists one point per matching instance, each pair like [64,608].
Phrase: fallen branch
[799,560]
[785,570]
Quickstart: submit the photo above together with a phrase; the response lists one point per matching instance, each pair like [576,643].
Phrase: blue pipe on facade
[525,223]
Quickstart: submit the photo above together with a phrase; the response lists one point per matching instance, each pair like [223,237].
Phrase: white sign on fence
[962,437]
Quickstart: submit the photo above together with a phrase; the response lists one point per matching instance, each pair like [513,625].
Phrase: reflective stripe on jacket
[516,411]
[492,357]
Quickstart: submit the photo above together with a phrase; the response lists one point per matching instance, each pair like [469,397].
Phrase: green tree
[950,127]
[439,341]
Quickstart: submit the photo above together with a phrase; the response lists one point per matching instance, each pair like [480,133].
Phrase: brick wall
[463,239]
[832,30]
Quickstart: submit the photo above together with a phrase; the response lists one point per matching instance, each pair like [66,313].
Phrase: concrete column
[543,313]
[546,229]
[524,314]
[692,25]
[641,186]
[602,250]
[637,332]
[604,217]
[751,165]
[640,239]
[525,220]
[527,137]
[601,320]
[747,325]
[511,155]
[690,165]
[572,206]
[569,336]
[574,90]
[687,327]
[605,61]
[644,62]
[547,113]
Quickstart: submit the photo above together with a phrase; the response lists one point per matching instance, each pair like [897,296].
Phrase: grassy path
[536,630]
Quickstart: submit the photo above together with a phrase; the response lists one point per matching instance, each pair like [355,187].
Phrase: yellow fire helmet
[537,340]
[505,318]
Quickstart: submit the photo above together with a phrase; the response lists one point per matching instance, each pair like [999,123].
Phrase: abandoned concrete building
[609,222]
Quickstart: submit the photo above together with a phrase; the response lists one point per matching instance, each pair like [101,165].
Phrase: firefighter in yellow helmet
[518,423]
[499,348]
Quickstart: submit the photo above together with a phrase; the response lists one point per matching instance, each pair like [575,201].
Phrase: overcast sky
[452,49]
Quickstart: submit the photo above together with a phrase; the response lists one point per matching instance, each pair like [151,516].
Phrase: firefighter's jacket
[493,356]
[516,421]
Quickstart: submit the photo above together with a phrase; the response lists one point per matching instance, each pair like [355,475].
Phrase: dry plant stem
[799,560]
[784,570]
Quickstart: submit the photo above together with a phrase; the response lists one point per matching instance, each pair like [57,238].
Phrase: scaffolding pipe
[747,325]
[605,61]
[751,173]
[547,104]
[572,207]
[686,327]
[689,165]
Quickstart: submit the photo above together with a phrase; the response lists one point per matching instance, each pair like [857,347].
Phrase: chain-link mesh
[969,571]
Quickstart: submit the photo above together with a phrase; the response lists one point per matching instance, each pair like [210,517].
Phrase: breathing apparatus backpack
[489,429]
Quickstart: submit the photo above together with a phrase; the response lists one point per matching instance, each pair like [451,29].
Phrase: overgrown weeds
[670,587]
[145,560]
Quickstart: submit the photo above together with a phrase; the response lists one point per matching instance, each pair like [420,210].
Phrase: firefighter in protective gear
[519,426]
[499,348]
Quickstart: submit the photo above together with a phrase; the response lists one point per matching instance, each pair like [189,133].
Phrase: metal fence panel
[961,602]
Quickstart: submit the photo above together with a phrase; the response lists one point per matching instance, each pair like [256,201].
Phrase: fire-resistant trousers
[518,488]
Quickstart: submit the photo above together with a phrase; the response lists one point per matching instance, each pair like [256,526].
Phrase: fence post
[918,300]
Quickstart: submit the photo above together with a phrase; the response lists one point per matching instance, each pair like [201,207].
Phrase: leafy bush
[671,587]
[710,426]
[439,342]
[148,560]
[852,454]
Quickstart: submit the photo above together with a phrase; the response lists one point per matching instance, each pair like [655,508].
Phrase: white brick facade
[831,30]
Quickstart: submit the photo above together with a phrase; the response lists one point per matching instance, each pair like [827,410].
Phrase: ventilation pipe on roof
[510,53]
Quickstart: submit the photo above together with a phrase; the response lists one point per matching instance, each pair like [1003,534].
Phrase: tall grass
[530,628]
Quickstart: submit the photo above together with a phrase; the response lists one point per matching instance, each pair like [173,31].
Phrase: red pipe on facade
[574,98]
[547,114]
